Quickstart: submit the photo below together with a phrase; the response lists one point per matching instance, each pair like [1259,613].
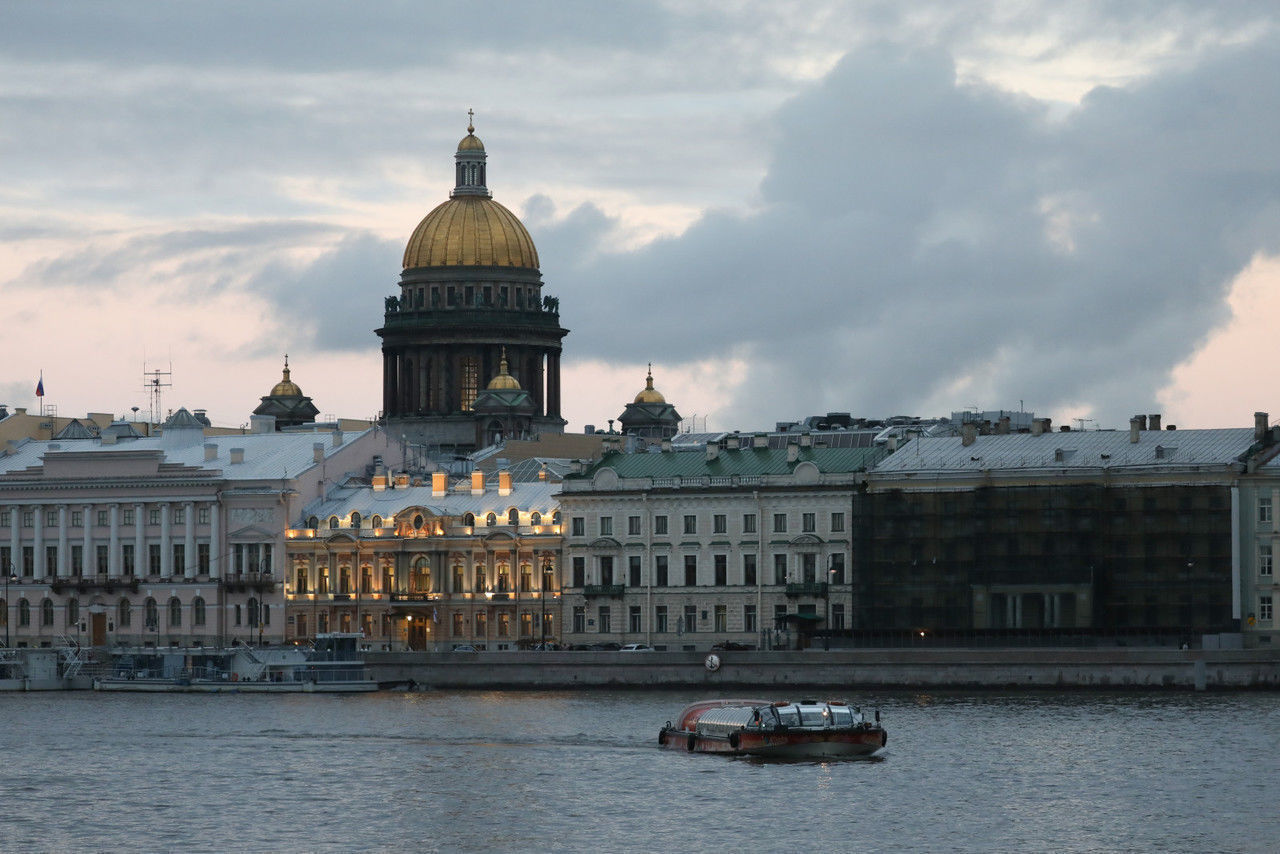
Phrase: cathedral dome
[650,394]
[470,231]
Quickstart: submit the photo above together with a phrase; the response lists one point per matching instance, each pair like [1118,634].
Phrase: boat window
[812,716]
[789,716]
[841,716]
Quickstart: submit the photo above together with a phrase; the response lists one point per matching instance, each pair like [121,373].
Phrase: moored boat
[332,665]
[804,729]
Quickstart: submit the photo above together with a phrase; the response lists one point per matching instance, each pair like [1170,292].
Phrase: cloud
[919,238]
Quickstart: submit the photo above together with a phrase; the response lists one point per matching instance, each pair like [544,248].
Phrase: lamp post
[831,574]
[546,574]
[8,576]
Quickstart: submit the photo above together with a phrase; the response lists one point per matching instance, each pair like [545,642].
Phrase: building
[649,416]
[287,404]
[175,539]
[1054,535]
[428,566]
[1258,535]
[735,542]
[470,298]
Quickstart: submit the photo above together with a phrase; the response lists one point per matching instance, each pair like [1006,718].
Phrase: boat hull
[780,744]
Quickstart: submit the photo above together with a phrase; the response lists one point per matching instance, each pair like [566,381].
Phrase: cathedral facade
[470,300]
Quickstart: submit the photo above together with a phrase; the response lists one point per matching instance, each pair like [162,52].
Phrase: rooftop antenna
[154,382]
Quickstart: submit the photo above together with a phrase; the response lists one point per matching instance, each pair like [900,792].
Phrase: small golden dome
[471,142]
[286,387]
[650,394]
[470,231]
[504,380]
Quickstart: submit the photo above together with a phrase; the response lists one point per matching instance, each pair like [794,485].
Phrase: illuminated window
[470,381]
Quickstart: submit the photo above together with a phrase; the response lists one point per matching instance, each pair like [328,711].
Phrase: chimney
[439,483]
[210,452]
[317,451]
[793,452]
[1260,422]
[542,472]
[379,483]
[1002,426]
[713,451]
[968,434]
[259,424]
[402,480]
[337,438]
[892,444]
[666,444]
[477,482]
[1135,424]
[504,482]
[1142,422]
[1155,421]
[806,440]
[1037,426]
[237,456]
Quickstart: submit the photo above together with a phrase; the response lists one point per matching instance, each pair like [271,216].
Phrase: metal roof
[539,496]
[741,461]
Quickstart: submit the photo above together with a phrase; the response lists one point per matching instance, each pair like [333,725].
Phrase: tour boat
[332,665]
[787,730]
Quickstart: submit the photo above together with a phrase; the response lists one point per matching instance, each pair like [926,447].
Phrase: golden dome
[471,142]
[650,394]
[504,380]
[286,387]
[470,231]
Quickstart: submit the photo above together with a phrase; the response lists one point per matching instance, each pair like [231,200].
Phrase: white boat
[331,665]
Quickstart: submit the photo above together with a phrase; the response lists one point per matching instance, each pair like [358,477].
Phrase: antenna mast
[153,382]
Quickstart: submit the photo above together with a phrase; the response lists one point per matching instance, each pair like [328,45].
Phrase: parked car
[636,647]
[731,645]
[607,646]
[464,647]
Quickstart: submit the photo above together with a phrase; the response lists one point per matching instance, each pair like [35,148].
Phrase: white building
[170,540]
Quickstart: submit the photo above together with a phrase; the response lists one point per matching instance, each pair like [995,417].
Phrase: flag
[435,617]
[40,386]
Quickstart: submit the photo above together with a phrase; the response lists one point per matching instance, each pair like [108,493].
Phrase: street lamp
[8,576]
[546,574]
[831,575]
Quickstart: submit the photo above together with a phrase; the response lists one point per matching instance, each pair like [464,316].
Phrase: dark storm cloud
[914,232]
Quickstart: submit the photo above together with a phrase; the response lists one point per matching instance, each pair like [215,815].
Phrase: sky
[789,208]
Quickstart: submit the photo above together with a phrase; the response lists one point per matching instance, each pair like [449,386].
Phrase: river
[581,771]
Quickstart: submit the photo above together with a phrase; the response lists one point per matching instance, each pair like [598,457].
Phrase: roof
[458,500]
[1089,449]
[470,231]
[741,461]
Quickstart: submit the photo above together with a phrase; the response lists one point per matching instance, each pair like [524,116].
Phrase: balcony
[808,588]
[613,590]
[415,596]
[259,582]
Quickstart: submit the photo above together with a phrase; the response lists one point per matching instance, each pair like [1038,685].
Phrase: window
[355,520]
[809,567]
[779,523]
[333,523]
[51,518]
[251,612]
[721,619]
[749,570]
[808,522]
[779,616]
[46,612]
[578,526]
[779,569]
[24,612]
[28,519]
[721,570]
[633,619]
[691,524]
[322,579]
[606,569]
[300,582]
[4,519]
[202,515]
[660,618]
[103,521]
[602,619]
[480,585]
[579,571]
[837,522]
[526,625]
[179,558]
[77,560]
[719,524]
[457,624]
[633,570]
[633,526]
[153,558]
[606,526]
[73,611]
[313,522]
[153,516]
[504,624]
[28,560]
[660,571]
[459,579]
[376,522]
[660,525]
[127,558]
[690,618]
[124,614]
[837,568]
[513,517]
[690,570]
[1264,558]
[202,558]
[103,559]
[526,578]
[579,619]
[749,618]
[1264,608]
[77,519]
[179,516]
[175,612]
[197,612]
[51,560]
[469,520]
[748,523]
[837,617]
[1264,509]
[535,518]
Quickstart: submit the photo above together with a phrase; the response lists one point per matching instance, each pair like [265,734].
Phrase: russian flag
[40,386]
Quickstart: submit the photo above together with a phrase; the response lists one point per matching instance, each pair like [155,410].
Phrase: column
[113,553]
[215,541]
[88,561]
[166,545]
[38,542]
[64,553]
[262,555]
[140,556]
[189,544]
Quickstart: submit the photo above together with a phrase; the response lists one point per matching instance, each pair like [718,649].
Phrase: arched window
[73,611]
[469,519]
[150,614]
[313,522]
[355,520]
[333,523]
[491,520]
[420,578]
[24,612]
[513,517]
[175,612]
[535,518]
[377,521]
[46,612]
[124,614]
[555,518]
[252,611]
[197,611]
